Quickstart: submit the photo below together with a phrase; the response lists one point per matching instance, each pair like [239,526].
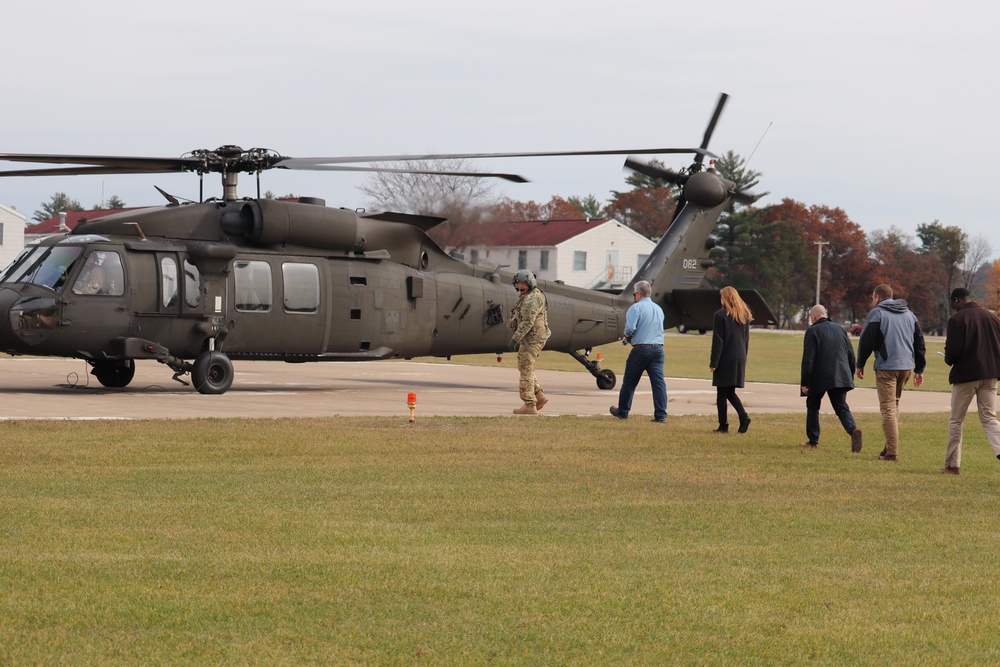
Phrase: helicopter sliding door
[277,308]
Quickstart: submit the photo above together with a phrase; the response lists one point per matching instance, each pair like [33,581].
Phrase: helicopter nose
[25,321]
[8,297]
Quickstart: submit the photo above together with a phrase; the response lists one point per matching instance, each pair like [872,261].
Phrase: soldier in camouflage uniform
[530,323]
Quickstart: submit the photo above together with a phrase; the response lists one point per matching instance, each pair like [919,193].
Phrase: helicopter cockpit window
[18,262]
[48,266]
[102,274]
[192,285]
[301,283]
[168,282]
[253,286]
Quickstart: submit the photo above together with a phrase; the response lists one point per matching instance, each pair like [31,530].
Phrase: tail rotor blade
[720,105]
[654,171]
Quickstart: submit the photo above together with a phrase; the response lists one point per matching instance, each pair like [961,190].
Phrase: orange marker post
[599,358]
[411,402]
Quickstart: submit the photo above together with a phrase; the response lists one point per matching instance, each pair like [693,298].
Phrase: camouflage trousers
[528,385]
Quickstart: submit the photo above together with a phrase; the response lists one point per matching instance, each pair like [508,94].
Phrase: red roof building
[593,253]
[62,223]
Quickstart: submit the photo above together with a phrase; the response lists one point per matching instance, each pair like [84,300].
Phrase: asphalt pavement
[46,388]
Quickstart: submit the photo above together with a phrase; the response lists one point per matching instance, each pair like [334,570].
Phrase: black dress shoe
[615,413]
[661,420]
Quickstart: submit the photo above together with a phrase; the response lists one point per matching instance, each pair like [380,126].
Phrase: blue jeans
[648,359]
[838,399]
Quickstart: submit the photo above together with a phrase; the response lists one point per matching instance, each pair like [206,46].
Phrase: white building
[11,234]
[596,253]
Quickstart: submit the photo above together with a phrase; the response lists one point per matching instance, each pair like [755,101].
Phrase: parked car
[856,329]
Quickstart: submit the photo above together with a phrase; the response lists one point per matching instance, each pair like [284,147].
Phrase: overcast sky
[886,109]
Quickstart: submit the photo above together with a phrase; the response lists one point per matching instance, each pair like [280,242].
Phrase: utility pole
[819,264]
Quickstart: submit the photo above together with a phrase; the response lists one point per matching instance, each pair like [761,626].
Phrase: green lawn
[773,357]
[459,541]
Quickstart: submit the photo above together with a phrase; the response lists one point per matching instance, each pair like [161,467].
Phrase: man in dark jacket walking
[827,368]
[972,349]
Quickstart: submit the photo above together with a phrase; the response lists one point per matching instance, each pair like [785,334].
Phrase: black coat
[730,342]
[827,358]
[972,348]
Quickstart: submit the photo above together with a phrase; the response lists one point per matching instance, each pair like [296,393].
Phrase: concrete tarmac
[45,388]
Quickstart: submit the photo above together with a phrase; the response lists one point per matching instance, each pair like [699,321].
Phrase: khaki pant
[889,386]
[985,393]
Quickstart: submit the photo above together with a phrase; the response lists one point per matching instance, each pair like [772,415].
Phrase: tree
[774,257]
[459,199]
[111,204]
[845,264]
[589,205]
[59,202]
[949,246]
[728,229]
[557,208]
[648,207]
[991,287]
[898,263]
[732,167]
[979,252]
[429,194]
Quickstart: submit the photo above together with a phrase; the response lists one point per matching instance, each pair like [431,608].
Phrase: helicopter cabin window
[168,282]
[192,285]
[301,287]
[102,274]
[253,286]
[522,259]
[580,260]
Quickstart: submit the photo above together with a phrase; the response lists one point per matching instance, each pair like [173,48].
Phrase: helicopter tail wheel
[605,379]
[212,373]
[115,374]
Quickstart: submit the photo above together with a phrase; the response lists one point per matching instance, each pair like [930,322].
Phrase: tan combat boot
[540,400]
[526,409]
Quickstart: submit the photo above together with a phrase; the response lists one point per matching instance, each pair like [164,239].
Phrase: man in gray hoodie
[893,334]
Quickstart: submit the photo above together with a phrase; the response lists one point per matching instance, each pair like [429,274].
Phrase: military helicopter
[198,285]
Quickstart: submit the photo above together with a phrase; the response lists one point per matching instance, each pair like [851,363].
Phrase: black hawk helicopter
[197,285]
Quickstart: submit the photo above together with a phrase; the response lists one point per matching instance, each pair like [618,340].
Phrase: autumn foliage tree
[648,207]
[991,287]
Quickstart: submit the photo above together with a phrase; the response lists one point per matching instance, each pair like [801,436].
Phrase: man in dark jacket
[827,368]
[972,349]
[892,333]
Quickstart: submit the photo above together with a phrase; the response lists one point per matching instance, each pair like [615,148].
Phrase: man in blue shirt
[644,329]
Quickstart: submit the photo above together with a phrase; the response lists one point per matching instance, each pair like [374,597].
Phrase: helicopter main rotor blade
[125,164]
[82,171]
[312,162]
[471,174]
[719,106]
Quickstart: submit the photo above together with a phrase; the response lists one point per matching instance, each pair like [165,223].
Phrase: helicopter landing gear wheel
[114,373]
[605,379]
[212,373]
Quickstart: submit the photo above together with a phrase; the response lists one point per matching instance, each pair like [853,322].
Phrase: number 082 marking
[690,264]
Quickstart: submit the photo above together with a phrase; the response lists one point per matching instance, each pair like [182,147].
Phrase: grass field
[470,541]
[773,357]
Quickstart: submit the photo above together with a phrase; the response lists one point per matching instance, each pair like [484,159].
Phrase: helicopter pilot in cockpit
[93,278]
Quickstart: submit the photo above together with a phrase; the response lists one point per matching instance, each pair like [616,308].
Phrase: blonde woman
[730,342]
